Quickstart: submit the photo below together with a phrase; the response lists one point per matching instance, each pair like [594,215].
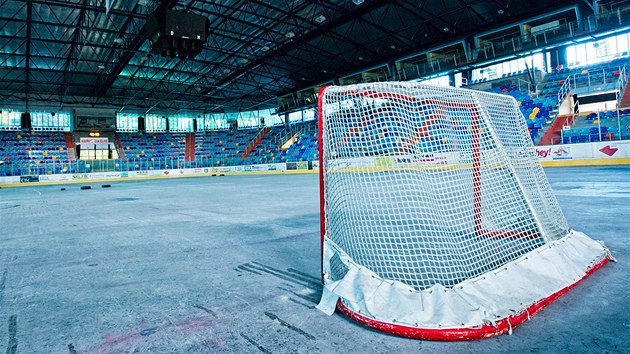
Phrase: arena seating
[45,152]
[601,126]
[222,147]
[269,146]
[535,110]
[584,75]
[153,150]
[305,147]
[503,76]
[34,152]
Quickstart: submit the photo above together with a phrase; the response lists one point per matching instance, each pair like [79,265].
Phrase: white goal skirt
[438,221]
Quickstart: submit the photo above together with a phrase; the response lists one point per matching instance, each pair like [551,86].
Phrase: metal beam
[73,5]
[29,16]
[131,48]
[70,68]
[252,65]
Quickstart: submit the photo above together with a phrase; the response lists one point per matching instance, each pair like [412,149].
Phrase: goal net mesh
[428,185]
[438,221]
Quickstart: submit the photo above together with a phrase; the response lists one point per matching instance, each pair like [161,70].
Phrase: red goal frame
[502,326]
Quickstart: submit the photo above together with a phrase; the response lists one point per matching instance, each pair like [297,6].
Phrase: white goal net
[427,188]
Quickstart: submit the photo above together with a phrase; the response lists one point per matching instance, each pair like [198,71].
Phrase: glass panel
[309,114]
[295,117]
[248,120]
[580,53]
[180,123]
[439,81]
[127,122]
[571,55]
[622,43]
[50,121]
[274,120]
[216,121]
[155,123]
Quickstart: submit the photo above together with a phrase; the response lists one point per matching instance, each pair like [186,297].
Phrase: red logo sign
[608,150]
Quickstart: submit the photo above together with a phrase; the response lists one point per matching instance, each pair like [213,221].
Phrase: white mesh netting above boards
[427,188]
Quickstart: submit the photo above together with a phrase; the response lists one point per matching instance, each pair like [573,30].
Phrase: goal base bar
[490,304]
[462,334]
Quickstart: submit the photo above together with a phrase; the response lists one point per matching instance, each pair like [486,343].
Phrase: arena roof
[77,51]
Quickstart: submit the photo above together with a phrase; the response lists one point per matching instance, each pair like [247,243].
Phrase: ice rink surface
[231,265]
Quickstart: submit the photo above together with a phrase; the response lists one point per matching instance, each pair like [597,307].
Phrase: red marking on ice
[111,341]
[608,150]
[193,325]
[115,343]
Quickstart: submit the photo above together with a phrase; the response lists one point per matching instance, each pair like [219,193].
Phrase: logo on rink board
[29,179]
[608,150]
[384,162]
[562,153]
[543,152]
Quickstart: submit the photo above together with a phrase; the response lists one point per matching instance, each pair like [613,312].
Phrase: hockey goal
[437,219]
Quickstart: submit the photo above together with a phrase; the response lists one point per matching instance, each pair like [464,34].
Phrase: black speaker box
[25,121]
[175,32]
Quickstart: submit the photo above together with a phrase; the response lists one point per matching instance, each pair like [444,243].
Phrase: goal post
[437,220]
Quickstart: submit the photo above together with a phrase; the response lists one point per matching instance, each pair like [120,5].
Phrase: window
[309,114]
[213,121]
[441,80]
[248,119]
[509,68]
[127,122]
[155,123]
[10,120]
[270,118]
[295,117]
[458,79]
[622,43]
[274,120]
[599,51]
[51,121]
[181,123]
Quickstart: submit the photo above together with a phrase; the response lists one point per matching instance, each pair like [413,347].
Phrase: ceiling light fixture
[320,18]
[445,29]
[290,34]
[101,66]
[358,2]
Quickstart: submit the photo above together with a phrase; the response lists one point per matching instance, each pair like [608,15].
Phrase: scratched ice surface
[231,265]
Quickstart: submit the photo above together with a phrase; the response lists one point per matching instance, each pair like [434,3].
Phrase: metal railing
[621,84]
[49,167]
[531,89]
[499,47]
[564,90]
